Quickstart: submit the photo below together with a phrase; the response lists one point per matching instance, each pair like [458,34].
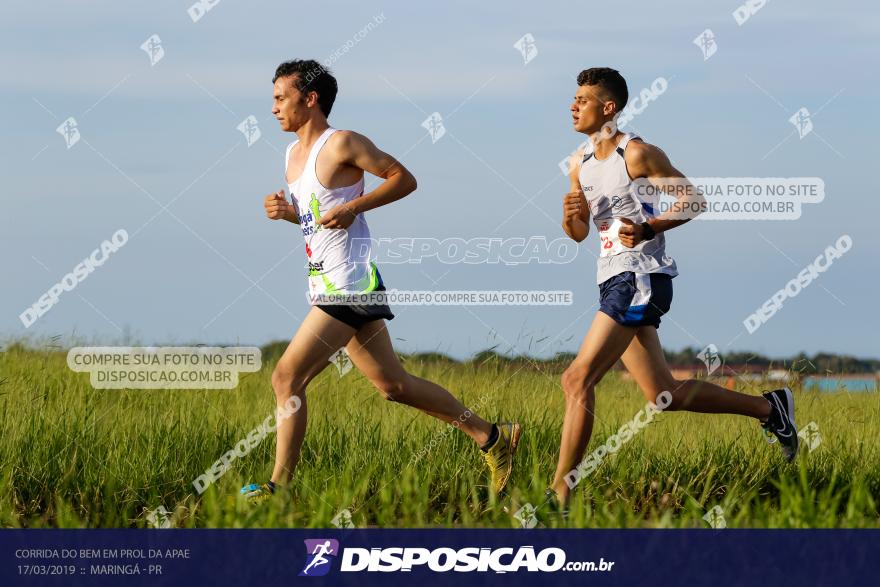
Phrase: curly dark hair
[609,80]
[311,76]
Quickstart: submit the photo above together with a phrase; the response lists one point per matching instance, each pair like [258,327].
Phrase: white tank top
[340,261]
[609,191]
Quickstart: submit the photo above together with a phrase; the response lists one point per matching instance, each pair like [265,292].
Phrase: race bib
[609,239]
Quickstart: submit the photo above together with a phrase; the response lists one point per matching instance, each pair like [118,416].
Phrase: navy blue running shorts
[636,299]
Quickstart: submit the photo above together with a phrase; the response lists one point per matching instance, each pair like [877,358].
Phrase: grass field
[72,456]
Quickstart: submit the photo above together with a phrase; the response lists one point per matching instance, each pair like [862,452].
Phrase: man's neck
[603,144]
[309,133]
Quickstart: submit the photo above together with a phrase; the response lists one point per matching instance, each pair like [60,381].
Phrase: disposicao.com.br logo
[442,560]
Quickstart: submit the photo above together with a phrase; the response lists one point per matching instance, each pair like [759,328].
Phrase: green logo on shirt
[314,206]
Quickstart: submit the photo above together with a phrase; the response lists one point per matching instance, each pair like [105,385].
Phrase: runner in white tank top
[331,219]
[334,265]
[635,283]
[610,196]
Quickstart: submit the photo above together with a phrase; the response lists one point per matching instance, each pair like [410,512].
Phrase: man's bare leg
[318,337]
[603,345]
[372,353]
[644,359]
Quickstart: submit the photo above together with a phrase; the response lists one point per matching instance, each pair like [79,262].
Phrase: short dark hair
[311,76]
[609,80]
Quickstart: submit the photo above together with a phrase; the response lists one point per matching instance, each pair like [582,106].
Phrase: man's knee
[288,382]
[394,389]
[578,383]
[666,395]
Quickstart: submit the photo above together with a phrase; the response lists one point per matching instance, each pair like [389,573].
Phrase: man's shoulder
[639,149]
[346,144]
[639,154]
[346,138]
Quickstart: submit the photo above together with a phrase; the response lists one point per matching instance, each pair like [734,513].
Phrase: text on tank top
[339,261]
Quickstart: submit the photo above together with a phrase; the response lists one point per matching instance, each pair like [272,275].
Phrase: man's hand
[575,215]
[630,234]
[340,216]
[278,208]
[574,206]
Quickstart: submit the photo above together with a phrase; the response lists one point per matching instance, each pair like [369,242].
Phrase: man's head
[601,95]
[303,89]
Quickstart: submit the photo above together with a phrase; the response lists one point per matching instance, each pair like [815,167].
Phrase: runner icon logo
[319,551]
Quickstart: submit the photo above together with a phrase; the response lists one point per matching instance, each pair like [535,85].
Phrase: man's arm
[650,162]
[358,151]
[575,212]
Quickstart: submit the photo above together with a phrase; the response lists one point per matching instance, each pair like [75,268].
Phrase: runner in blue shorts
[635,279]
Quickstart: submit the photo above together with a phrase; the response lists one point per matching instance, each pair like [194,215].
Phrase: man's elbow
[698,206]
[409,182]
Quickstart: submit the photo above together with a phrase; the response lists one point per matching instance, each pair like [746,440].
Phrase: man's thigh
[604,343]
[645,361]
[371,351]
[317,339]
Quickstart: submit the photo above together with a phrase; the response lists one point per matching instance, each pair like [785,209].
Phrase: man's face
[289,105]
[591,109]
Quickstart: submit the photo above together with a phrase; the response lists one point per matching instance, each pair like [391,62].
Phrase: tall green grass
[73,456]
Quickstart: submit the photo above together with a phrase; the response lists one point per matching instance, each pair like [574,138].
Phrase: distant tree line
[818,364]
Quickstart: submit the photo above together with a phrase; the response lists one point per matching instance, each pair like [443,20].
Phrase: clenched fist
[574,206]
[278,208]
[630,234]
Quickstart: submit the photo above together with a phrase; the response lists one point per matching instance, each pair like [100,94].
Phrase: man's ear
[312,99]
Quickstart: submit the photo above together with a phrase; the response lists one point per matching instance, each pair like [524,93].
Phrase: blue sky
[212,269]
